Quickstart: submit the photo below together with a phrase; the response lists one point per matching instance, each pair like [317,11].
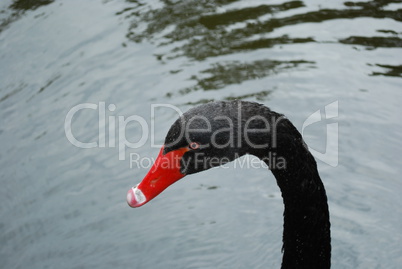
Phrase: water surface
[63,206]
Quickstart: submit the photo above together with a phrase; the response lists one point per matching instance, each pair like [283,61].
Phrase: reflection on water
[227,73]
[22,5]
[374,42]
[207,34]
[392,71]
[64,207]
[17,9]
[207,29]
[259,96]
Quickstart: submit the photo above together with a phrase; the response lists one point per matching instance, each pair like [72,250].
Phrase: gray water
[63,206]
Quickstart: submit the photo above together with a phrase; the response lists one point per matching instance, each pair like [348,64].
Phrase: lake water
[63,206]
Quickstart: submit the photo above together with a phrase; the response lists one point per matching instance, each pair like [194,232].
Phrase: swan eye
[194,145]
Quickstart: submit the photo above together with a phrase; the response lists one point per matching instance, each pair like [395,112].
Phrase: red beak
[164,172]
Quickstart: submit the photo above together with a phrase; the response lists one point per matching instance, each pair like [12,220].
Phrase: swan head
[204,137]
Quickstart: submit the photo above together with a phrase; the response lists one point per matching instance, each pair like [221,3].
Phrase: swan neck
[306,235]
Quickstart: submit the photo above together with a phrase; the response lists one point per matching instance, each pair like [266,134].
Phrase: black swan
[219,132]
